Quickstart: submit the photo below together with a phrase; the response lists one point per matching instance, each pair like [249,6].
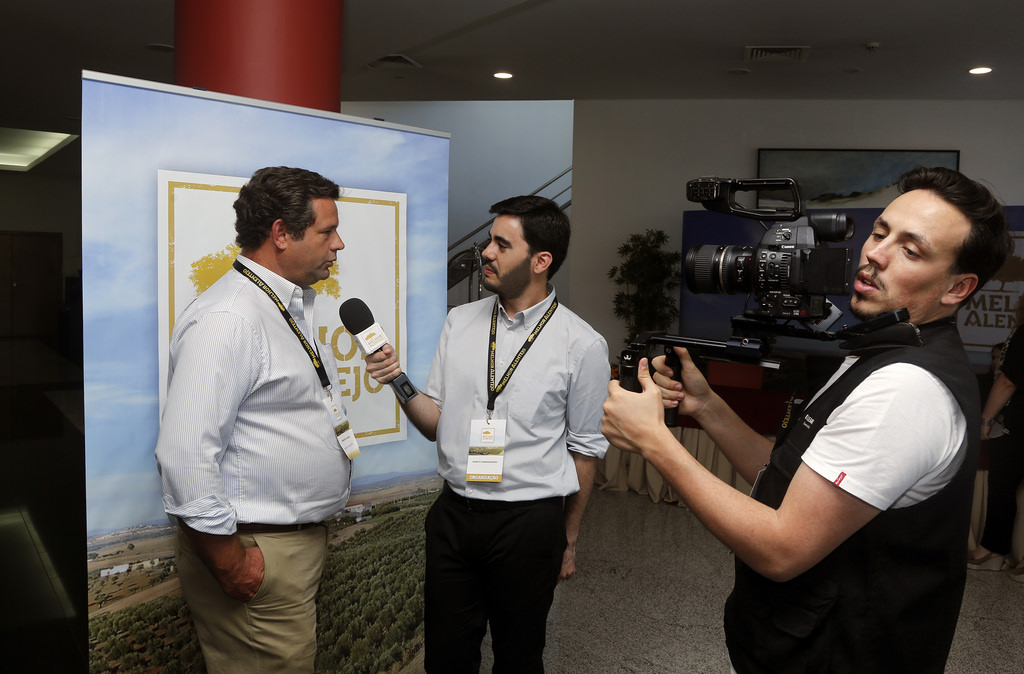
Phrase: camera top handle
[719,195]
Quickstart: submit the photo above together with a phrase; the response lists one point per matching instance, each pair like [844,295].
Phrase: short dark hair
[989,242]
[278,192]
[545,226]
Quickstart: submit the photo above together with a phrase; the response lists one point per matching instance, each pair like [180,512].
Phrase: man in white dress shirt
[249,450]
[513,400]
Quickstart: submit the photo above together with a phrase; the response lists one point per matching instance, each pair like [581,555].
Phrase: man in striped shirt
[249,455]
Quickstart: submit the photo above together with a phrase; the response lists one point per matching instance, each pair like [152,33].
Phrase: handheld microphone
[358,320]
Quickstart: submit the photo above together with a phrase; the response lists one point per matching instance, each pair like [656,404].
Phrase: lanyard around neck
[310,350]
[494,389]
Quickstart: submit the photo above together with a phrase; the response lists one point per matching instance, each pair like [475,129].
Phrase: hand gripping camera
[787,277]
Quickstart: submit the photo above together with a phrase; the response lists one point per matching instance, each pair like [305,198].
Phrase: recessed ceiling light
[983,70]
[22,150]
[503,76]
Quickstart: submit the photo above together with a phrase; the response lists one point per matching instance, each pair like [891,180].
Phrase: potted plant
[645,277]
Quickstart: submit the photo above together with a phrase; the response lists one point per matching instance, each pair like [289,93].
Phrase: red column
[287,51]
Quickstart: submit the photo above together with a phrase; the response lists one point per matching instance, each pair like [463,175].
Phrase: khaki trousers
[275,631]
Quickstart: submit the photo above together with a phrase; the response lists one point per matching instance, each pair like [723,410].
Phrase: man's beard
[512,283]
[862,315]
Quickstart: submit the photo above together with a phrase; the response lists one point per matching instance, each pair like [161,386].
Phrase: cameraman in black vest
[851,550]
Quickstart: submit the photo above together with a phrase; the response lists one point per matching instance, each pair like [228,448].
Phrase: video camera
[790,272]
[787,276]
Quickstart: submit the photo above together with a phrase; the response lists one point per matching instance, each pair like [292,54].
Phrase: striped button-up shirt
[245,435]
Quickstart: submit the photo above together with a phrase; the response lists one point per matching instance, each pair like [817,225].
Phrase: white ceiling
[557,49]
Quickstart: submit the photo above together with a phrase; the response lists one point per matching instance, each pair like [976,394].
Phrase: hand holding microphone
[358,320]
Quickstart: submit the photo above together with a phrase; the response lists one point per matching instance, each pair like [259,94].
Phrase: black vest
[887,599]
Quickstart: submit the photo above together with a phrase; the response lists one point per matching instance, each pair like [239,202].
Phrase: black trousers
[490,562]
[1005,472]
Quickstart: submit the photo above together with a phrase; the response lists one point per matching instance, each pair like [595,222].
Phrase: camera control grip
[672,360]
[629,361]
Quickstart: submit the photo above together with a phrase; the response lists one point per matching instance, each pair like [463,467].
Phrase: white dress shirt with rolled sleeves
[552,403]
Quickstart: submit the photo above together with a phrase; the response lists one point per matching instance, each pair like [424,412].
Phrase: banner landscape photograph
[162,166]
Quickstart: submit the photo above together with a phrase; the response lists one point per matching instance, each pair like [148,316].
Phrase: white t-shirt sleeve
[894,441]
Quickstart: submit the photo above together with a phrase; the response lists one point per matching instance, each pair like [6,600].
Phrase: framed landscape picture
[845,178]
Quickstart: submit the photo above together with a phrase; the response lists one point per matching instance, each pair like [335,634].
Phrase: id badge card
[486,450]
[342,428]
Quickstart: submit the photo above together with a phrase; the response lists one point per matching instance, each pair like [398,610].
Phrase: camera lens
[719,269]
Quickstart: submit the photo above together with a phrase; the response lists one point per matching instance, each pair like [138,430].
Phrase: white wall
[632,158]
[498,149]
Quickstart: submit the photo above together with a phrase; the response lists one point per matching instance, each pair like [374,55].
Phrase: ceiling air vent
[394,62]
[776,53]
